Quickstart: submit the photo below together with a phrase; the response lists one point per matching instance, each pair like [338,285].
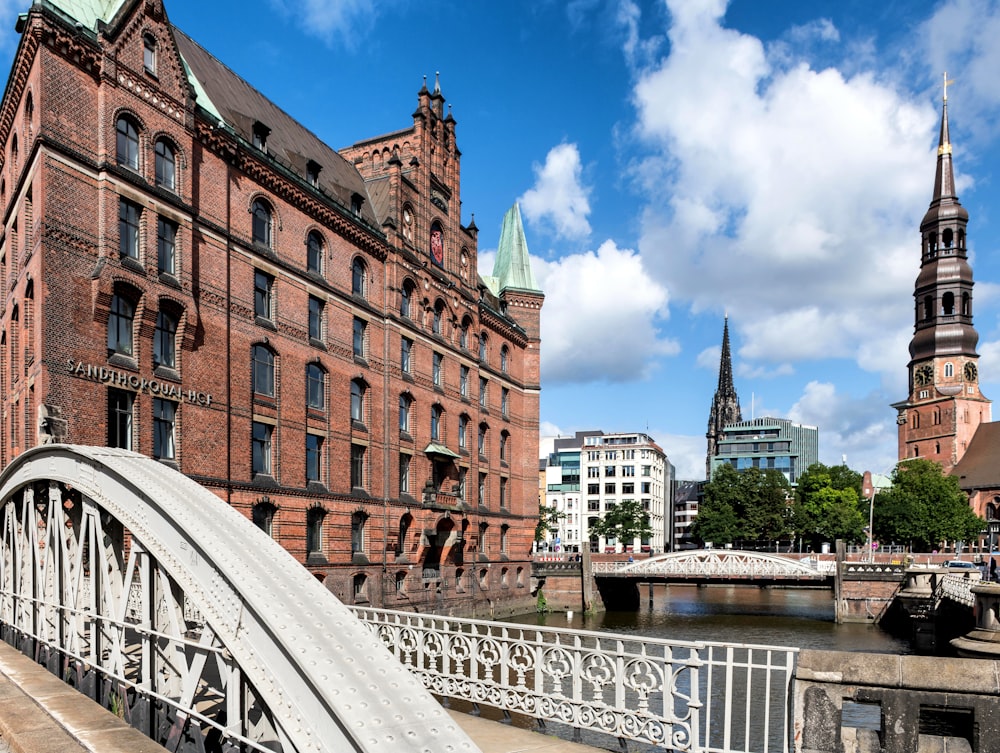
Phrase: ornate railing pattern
[684,696]
[166,605]
[958,588]
[718,563]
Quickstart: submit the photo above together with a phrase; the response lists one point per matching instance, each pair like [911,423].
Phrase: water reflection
[734,614]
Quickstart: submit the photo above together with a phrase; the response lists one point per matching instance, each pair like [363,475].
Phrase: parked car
[960,565]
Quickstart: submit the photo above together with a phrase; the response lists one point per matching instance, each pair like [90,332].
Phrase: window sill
[265,480]
[169,462]
[134,264]
[408,377]
[439,389]
[122,360]
[316,558]
[358,426]
[359,558]
[316,487]
[360,360]
[404,436]
[169,279]
[266,323]
[167,372]
[360,493]
[317,343]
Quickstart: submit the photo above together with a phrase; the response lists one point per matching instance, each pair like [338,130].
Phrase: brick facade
[264,355]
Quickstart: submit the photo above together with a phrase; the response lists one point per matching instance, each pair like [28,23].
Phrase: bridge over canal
[618,582]
[147,593]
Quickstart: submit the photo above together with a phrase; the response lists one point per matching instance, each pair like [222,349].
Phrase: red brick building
[190,273]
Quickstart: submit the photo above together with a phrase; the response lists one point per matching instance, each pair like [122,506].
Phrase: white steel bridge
[148,593]
[151,595]
[718,564]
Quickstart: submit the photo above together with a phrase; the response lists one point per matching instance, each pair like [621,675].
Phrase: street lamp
[869,490]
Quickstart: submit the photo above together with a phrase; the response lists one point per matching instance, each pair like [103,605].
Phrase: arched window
[404,528]
[406,299]
[438,316]
[166,165]
[463,335]
[127,143]
[928,308]
[437,244]
[149,53]
[948,304]
[314,252]
[314,530]
[915,420]
[314,457]
[164,340]
[315,386]
[405,401]
[504,359]
[358,401]
[261,212]
[263,517]
[437,415]
[463,431]
[358,520]
[946,237]
[263,371]
[120,325]
[504,445]
[966,304]
[408,223]
[949,369]
[483,430]
[483,352]
[358,278]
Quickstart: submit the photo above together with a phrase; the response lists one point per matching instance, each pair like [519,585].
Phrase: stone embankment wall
[879,703]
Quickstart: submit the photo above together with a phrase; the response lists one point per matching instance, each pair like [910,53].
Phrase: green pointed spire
[512,268]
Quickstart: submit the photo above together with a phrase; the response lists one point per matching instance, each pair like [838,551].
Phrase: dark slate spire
[943,289]
[725,404]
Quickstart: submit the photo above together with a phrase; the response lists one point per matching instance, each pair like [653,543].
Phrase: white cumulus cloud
[559,199]
[600,321]
[787,195]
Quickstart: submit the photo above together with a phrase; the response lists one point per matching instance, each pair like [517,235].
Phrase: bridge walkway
[41,714]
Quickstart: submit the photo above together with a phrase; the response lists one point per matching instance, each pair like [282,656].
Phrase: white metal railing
[676,695]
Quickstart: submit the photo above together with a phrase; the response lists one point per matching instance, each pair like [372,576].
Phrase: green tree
[924,508]
[717,519]
[828,505]
[625,522]
[767,511]
[548,520]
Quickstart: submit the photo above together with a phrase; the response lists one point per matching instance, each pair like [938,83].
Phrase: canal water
[802,618]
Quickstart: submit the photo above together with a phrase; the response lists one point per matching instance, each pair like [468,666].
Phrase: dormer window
[312,173]
[260,134]
[356,203]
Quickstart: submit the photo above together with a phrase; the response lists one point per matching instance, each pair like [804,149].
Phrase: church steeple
[944,406]
[725,404]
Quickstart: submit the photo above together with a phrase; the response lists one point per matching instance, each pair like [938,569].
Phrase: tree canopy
[625,522]
[828,505]
[924,508]
[548,520]
[743,506]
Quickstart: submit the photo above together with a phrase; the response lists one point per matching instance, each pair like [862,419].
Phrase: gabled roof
[239,106]
[980,465]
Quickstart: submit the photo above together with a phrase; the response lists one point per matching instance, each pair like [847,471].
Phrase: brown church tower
[945,406]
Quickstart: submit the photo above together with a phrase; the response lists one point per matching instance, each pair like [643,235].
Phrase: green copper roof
[87,12]
[512,267]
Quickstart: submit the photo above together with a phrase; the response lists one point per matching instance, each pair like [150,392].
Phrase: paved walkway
[41,714]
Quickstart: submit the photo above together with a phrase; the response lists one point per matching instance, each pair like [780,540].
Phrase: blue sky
[675,161]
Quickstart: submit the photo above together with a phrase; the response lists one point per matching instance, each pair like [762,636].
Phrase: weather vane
[946,82]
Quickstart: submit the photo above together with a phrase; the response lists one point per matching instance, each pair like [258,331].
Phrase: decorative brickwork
[161,294]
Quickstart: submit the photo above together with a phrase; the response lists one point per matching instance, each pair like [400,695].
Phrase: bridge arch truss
[714,563]
[151,595]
